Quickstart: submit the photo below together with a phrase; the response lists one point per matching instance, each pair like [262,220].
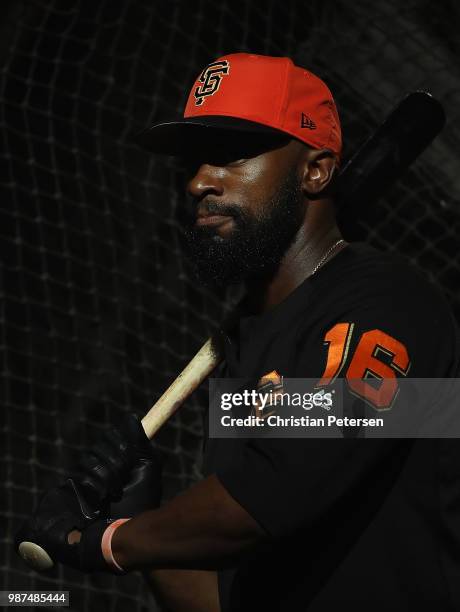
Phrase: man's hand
[106,468]
[60,511]
[70,519]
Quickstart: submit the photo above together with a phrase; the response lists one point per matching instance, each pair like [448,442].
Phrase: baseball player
[278,523]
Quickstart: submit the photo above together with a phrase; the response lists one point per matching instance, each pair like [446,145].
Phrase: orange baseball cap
[252,93]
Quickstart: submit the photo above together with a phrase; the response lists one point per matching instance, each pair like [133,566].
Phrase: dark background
[99,311]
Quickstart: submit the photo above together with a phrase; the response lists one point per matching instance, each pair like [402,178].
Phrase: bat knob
[35,556]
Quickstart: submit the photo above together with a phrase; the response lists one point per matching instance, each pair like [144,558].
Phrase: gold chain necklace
[326,255]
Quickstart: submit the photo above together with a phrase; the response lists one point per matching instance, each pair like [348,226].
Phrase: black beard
[257,244]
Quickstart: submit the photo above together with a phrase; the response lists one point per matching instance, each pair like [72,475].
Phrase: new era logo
[306,122]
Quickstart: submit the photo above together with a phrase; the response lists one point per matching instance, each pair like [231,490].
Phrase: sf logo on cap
[210,80]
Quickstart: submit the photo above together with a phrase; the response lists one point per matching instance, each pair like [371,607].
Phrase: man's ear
[318,168]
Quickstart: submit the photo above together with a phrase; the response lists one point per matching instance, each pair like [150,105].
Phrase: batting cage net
[99,309]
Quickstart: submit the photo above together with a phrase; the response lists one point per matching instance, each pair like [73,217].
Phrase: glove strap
[106,544]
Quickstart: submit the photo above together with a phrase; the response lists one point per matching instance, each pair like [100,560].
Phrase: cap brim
[176,137]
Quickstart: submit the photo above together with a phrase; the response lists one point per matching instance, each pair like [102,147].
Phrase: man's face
[248,205]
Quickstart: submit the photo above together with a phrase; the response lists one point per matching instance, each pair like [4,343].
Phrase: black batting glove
[60,511]
[65,509]
[143,490]
[105,470]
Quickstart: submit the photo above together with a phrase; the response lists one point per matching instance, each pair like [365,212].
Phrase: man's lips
[214,220]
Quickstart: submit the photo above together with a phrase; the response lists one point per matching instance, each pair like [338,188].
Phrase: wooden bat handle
[188,380]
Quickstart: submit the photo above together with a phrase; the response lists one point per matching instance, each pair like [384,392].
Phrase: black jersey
[364,524]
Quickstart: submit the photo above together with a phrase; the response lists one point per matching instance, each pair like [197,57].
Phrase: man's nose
[207,180]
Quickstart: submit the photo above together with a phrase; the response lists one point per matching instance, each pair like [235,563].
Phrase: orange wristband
[106,544]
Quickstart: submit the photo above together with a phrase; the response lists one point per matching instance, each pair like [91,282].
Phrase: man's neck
[315,238]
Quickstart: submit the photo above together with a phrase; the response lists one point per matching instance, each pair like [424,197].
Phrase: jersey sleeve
[289,484]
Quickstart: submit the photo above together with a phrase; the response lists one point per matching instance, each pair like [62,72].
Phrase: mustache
[212,207]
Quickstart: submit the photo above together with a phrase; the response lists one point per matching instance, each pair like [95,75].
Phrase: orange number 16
[365,363]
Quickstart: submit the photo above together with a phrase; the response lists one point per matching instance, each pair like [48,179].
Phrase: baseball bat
[382,159]
[188,380]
